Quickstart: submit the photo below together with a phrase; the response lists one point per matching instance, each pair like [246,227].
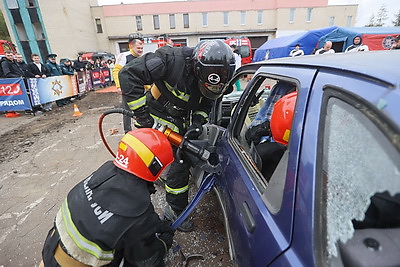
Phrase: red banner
[100,77]
[378,41]
[10,89]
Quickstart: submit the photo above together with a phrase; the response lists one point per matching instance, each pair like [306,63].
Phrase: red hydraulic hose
[100,124]
[102,134]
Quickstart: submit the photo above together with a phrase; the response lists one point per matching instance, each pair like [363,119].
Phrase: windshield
[244,51]
[6,47]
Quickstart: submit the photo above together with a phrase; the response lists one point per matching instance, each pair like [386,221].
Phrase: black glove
[143,118]
[166,233]
[255,133]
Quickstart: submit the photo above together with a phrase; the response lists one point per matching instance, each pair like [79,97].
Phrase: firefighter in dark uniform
[109,216]
[135,43]
[185,81]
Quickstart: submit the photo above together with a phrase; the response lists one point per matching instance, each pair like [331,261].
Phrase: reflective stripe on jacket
[108,214]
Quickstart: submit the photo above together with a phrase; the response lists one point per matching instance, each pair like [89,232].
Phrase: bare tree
[396,21]
[371,22]
[380,18]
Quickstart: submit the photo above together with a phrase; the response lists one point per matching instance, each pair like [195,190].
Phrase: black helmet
[214,65]
[134,36]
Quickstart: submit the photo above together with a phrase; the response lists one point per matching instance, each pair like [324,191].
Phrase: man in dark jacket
[53,69]
[10,68]
[37,69]
[186,81]
[79,64]
[23,67]
[66,67]
[109,216]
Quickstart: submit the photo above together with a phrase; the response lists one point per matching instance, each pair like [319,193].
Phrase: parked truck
[244,47]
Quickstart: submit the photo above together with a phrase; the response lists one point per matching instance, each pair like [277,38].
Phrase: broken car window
[359,162]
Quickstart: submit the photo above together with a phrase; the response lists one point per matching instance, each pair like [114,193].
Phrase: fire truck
[243,46]
[164,40]
[6,46]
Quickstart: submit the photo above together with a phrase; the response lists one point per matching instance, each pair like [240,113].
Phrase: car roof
[381,65]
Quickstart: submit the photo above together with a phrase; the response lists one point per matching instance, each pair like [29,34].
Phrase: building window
[348,22]
[331,21]
[172,21]
[98,26]
[309,14]
[242,17]
[139,25]
[291,15]
[259,17]
[226,18]
[30,3]
[186,20]
[205,19]
[12,4]
[156,22]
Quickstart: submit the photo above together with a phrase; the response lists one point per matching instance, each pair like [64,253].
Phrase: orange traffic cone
[12,114]
[77,113]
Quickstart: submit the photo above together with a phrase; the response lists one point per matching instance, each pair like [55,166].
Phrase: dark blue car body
[282,221]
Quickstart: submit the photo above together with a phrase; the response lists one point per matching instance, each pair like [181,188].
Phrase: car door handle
[248,217]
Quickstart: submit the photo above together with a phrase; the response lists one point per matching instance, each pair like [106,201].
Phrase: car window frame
[215,116]
[235,128]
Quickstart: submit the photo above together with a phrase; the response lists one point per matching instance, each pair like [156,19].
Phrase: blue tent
[372,36]
[281,47]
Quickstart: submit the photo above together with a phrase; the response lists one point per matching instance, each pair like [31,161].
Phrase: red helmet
[144,152]
[281,118]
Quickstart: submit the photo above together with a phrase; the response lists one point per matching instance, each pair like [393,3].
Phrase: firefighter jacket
[107,214]
[122,59]
[170,69]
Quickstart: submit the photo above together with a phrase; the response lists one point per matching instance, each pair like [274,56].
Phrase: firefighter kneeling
[109,216]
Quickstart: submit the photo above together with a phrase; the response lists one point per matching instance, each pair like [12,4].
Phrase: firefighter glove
[166,233]
[255,133]
[143,118]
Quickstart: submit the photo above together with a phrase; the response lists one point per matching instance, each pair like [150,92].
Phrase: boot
[170,215]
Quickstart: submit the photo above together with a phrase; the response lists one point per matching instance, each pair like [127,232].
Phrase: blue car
[331,196]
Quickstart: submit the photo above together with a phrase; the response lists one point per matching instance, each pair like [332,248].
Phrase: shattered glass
[360,162]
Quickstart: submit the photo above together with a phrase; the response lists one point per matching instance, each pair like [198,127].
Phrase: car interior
[255,134]
[378,232]
[251,136]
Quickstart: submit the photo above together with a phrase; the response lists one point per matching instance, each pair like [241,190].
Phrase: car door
[260,211]
[356,157]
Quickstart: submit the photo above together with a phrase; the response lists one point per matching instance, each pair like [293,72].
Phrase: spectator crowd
[12,65]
